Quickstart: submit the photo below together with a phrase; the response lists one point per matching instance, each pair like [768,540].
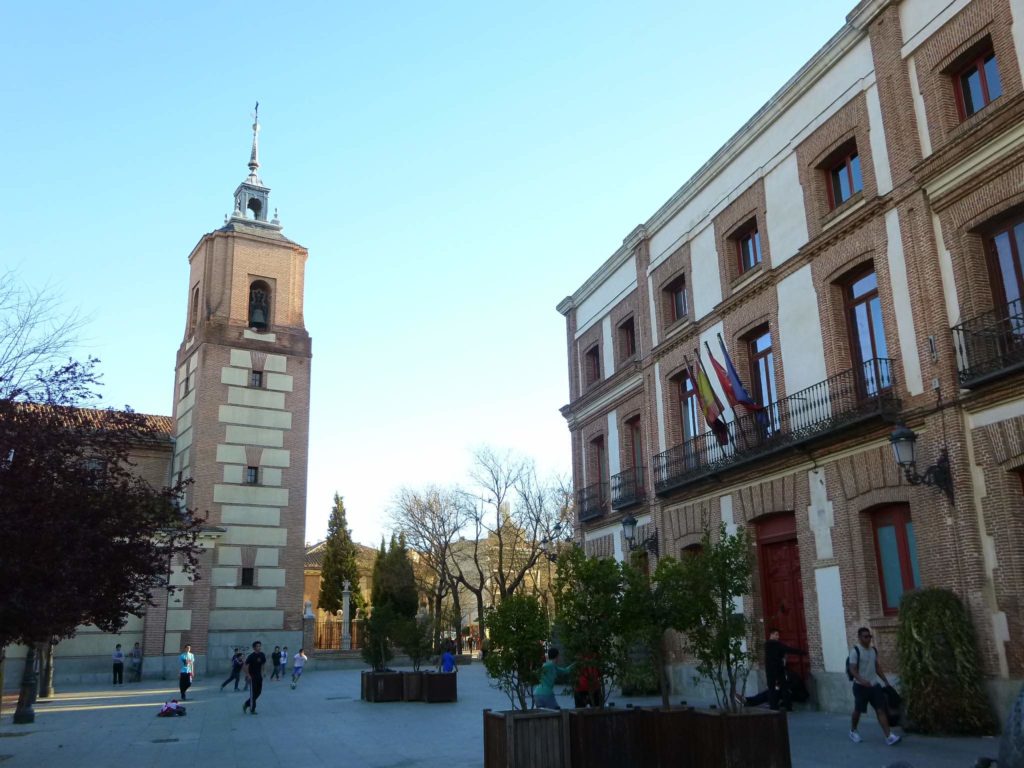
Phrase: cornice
[587,406]
[623,254]
[867,11]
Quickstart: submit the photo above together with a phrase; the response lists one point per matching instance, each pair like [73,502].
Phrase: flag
[710,404]
[734,390]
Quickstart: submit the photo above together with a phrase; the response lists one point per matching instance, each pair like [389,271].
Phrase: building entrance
[781,586]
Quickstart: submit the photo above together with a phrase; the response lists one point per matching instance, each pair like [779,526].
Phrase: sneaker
[293,686]
[245,706]
[892,739]
[855,737]
[254,712]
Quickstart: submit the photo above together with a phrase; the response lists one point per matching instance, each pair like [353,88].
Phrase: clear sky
[455,170]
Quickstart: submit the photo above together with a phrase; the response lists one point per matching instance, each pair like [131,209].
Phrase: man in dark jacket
[778,692]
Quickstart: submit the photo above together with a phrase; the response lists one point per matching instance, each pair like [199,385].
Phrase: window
[1006,257]
[977,84]
[627,339]
[256,379]
[248,577]
[194,314]
[867,333]
[688,408]
[691,550]
[748,247]
[762,365]
[636,442]
[895,554]
[259,306]
[252,475]
[844,179]
[675,299]
[592,366]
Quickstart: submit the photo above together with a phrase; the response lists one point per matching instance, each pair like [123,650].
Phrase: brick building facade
[858,247]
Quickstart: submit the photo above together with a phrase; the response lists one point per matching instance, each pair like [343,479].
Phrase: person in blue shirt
[544,691]
[447,661]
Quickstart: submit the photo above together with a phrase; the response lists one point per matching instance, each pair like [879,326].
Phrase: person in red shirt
[588,685]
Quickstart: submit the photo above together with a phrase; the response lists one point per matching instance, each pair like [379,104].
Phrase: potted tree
[716,634]
[394,599]
[415,641]
[517,738]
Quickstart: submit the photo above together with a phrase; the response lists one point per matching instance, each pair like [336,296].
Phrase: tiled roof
[162,426]
[315,554]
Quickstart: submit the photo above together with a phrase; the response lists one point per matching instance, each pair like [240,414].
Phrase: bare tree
[36,334]
[430,520]
[509,516]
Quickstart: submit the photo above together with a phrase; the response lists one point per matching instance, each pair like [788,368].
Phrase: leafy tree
[518,630]
[652,605]
[395,601]
[380,627]
[588,594]
[86,540]
[340,563]
[939,671]
[415,638]
[714,580]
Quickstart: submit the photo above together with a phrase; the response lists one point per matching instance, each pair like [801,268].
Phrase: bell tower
[241,410]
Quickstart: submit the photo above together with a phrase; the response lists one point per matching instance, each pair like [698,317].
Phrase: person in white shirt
[866,673]
[284,661]
[299,663]
[118,658]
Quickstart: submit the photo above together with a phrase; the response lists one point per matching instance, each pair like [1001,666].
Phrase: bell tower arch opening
[259,305]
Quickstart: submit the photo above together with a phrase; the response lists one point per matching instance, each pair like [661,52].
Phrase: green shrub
[938,655]
[518,629]
[638,678]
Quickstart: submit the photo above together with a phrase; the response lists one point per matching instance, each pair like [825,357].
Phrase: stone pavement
[323,723]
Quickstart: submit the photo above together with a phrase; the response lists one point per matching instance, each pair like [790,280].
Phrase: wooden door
[781,586]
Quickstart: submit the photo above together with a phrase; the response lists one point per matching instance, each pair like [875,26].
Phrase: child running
[299,662]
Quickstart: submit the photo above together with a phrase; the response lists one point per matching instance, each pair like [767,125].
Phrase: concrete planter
[440,687]
[537,738]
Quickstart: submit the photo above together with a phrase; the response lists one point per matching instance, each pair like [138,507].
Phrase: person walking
[544,691]
[254,674]
[275,659]
[236,668]
[298,663]
[187,671]
[118,659]
[135,664]
[863,668]
[778,694]
[284,661]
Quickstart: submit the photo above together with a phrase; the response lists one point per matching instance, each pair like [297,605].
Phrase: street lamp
[938,475]
[550,545]
[629,534]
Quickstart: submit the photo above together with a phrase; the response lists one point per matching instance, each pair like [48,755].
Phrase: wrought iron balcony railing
[990,345]
[592,501]
[628,487]
[829,406]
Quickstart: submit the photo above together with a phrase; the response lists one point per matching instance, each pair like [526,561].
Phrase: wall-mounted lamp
[938,475]
[629,534]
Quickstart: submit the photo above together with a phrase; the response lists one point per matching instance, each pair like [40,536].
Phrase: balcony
[991,345]
[592,501]
[830,406]
[628,487]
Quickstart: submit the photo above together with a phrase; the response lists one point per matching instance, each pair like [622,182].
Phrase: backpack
[849,674]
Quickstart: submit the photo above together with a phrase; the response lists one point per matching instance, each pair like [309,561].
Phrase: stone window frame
[848,126]
[942,53]
[748,211]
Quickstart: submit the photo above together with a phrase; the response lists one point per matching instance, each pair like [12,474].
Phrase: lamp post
[629,534]
[904,448]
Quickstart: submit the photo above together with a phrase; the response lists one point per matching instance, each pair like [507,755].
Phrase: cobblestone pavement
[323,723]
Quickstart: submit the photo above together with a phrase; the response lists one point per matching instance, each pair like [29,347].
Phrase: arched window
[259,306]
[255,206]
[194,314]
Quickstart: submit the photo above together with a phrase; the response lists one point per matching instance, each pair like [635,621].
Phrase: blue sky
[454,169]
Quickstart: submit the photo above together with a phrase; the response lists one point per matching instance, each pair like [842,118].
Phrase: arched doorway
[781,586]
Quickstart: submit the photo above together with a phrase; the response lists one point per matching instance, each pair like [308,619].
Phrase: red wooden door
[781,586]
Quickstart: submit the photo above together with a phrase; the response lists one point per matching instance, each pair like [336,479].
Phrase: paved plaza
[323,723]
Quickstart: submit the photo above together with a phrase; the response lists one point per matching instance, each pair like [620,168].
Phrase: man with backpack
[863,668]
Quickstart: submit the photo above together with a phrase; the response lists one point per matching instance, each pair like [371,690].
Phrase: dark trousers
[257,689]
[118,673]
[777,695]
[184,682]
[233,676]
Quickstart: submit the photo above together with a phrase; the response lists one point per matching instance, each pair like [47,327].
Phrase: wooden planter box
[381,686]
[605,737]
[753,737]
[412,686]
[440,687]
[666,737]
[537,738]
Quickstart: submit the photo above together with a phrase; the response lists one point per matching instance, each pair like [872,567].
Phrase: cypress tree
[340,563]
